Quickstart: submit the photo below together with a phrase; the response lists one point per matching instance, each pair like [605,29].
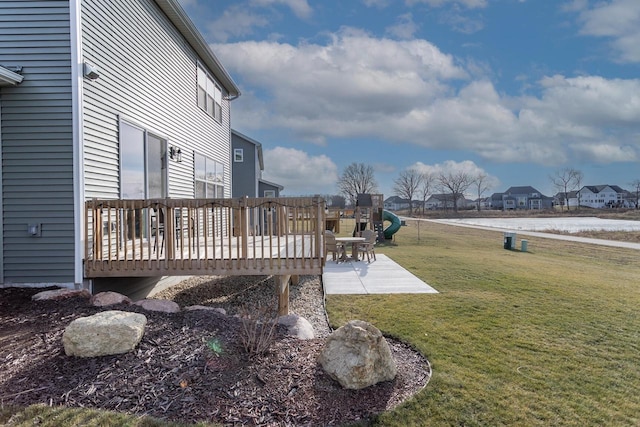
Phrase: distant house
[525,197]
[495,201]
[269,189]
[560,199]
[247,167]
[483,202]
[445,201]
[605,196]
[101,99]
[396,203]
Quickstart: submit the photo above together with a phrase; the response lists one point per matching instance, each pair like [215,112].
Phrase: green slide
[395,224]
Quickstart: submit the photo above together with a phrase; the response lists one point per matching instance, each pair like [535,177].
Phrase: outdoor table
[354,246]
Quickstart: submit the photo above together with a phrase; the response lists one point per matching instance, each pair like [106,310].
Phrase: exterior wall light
[90,71]
[175,154]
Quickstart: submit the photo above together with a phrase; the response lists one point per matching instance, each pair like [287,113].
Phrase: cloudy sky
[515,89]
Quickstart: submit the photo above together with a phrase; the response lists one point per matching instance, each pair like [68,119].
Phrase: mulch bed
[175,375]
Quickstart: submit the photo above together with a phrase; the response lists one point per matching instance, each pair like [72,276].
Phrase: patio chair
[368,246]
[333,247]
[181,229]
[157,228]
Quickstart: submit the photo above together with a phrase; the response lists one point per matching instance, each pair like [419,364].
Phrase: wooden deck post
[282,283]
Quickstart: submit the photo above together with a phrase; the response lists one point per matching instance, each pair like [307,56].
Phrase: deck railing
[242,236]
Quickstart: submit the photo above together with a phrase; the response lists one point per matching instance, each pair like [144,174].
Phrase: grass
[45,416]
[546,337]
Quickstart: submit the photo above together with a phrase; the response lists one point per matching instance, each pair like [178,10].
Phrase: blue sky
[514,89]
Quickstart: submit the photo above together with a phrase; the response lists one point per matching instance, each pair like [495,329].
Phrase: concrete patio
[383,276]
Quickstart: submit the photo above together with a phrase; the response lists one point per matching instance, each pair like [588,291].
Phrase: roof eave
[179,18]
[273,184]
[9,78]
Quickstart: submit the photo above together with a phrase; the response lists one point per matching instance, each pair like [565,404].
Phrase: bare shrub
[258,329]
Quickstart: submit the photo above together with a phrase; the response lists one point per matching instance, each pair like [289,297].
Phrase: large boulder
[358,356]
[297,326]
[103,299]
[105,333]
[61,294]
[161,305]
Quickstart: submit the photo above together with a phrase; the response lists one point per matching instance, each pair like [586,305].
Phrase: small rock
[358,356]
[103,299]
[60,294]
[205,307]
[106,333]
[161,305]
[297,326]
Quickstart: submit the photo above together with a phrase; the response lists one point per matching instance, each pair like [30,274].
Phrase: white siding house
[604,196]
[102,99]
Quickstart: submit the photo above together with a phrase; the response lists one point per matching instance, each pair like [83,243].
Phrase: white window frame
[213,177]
[269,193]
[146,134]
[209,95]
[238,155]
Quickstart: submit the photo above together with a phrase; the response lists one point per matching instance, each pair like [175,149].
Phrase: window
[143,169]
[209,176]
[238,155]
[209,95]
[143,173]
[269,193]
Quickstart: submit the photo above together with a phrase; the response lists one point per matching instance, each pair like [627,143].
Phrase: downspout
[75,21]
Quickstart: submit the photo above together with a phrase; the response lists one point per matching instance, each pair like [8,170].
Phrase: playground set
[369,214]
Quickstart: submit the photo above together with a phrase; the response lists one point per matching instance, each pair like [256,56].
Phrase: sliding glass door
[143,171]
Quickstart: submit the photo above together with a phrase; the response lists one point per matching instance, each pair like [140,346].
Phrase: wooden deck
[164,237]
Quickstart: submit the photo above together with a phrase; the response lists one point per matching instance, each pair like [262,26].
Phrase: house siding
[148,76]
[37,143]
[245,180]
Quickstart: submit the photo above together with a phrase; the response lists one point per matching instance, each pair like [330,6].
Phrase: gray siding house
[525,197]
[101,99]
[269,189]
[247,167]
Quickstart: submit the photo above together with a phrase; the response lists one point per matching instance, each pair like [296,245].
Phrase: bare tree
[426,186]
[565,181]
[357,178]
[636,189]
[406,185]
[480,184]
[456,183]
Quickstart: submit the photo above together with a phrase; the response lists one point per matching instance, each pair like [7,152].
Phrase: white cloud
[380,4]
[299,7]
[461,23]
[405,27]
[451,166]
[409,92]
[334,89]
[236,21]
[575,5]
[471,4]
[299,172]
[606,152]
[618,20]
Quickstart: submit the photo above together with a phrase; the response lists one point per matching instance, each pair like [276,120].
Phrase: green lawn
[546,337]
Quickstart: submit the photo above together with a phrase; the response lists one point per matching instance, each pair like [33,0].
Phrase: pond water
[568,224]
